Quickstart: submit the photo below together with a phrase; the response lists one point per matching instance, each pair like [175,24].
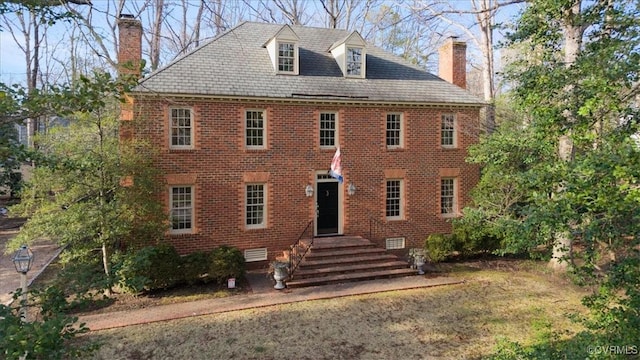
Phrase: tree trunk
[573,31]
[157,34]
[107,267]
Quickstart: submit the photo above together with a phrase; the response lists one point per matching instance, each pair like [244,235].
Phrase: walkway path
[43,253]
[262,295]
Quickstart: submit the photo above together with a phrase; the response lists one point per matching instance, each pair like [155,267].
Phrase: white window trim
[363,55]
[264,130]
[191,132]
[295,57]
[455,131]
[402,199]
[386,128]
[454,206]
[265,201]
[186,230]
[336,141]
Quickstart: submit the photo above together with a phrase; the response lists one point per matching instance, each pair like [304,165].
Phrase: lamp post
[351,189]
[22,259]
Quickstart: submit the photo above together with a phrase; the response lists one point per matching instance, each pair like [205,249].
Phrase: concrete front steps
[339,259]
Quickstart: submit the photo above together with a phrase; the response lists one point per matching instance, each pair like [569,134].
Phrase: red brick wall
[452,63]
[130,46]
[220,166]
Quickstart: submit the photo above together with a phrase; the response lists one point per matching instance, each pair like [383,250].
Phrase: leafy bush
[226,262]
[160,267]
[464,241]
[83,279]
[195,267]
[439,247]
[46,339]
[468,241]
[150,268]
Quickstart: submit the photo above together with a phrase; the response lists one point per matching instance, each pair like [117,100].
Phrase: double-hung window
[181,206]
[394,200]
[448,201]
[286,57]
[448,131]
[394,131]
[255,206]
[354,61]
[328,130]
[255,129]
[181,123]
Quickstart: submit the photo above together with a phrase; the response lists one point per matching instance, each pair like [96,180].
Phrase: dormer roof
[284,33]
[351,55]
[283,51]
[353,39]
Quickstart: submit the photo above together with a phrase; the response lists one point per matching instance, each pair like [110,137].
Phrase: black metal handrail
[378,230]
[298,250]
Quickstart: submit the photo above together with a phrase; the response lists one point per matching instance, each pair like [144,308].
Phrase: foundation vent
[259,254]
[395,243]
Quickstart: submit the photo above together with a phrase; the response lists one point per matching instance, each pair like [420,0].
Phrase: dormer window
[286,57]
[354,61]
[283,51]
[351,55]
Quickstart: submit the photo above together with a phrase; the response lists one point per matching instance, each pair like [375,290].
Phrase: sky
[12,62]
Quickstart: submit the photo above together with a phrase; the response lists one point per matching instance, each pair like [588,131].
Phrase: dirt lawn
[512,299]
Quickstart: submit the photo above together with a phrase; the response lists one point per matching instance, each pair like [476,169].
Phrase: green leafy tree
[11,154]
[565,169]
[78,194]
[568,170]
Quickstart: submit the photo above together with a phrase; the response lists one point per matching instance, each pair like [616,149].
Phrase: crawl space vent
[255,254]
[395,243]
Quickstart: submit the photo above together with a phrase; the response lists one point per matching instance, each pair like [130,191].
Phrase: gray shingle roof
[237,64]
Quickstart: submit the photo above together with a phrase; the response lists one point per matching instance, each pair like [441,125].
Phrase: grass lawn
[505,299]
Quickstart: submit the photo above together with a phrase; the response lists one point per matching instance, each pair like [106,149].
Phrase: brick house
[247,126]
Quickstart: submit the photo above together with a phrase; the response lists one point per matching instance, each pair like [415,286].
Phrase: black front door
[327,197]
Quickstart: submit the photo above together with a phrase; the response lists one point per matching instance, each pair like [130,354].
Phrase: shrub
[195,267]
[226,262]
[83,279]
[439,247]
[470,242]
[150,268]
[463,242]
[46,339]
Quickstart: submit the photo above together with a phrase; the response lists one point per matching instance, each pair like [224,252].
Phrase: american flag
[336,166]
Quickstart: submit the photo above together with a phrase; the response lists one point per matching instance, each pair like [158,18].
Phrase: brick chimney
[453,62]
[129,45]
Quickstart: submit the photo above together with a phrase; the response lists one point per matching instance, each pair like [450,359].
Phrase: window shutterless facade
[394,131]
[354,61]
[286,57]
[255,129]
[181,124]
[255,206]
[181,209]
[448,130]
[328,130]
[394,200]
[448,201]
